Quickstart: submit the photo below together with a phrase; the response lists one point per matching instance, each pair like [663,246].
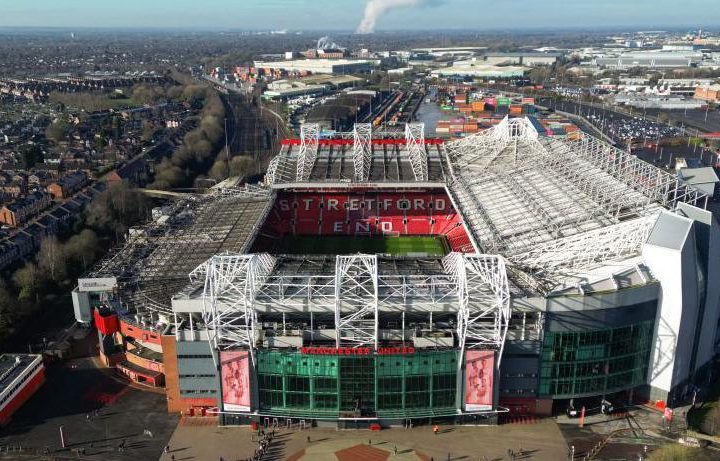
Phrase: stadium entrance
[409,384]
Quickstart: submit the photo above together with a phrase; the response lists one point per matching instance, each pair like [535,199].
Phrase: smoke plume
[376,8]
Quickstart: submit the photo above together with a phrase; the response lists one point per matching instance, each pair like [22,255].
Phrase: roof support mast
[362,150]
[309,141]
[415,138]
[356,300]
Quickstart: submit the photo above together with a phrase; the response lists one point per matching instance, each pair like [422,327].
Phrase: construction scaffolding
[356,157]
[356,298]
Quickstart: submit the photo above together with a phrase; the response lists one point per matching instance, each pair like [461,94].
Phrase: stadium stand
[366,214]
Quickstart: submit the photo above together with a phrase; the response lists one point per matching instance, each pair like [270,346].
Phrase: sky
[346,14]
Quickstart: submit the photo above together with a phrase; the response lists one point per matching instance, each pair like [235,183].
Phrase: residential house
[68,184]
[19,211]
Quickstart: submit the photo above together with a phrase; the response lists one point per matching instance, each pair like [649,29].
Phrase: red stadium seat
[367,213]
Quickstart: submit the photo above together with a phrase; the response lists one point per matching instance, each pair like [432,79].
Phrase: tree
[8,312]
[52,259]
[242,166]
[82,249]
[27,279]
[116,209]
[31,155]
[58,130]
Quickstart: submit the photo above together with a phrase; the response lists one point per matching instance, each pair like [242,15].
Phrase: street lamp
[62,437]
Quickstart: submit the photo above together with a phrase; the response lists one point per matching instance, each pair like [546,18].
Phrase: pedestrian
[395,450]
[369,442]
[308,439]
[436,429]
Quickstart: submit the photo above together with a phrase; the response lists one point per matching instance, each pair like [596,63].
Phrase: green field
[328,245]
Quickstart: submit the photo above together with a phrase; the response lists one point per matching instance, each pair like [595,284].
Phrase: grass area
[328,245]
[93,101]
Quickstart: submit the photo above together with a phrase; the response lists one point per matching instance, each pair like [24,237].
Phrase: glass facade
[583,363]
[420,384]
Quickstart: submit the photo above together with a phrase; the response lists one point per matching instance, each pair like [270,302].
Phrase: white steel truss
[309,138]
[272,171]
[521,195]
[504,143]
[483,300]
[231,283]
[356,300]
[236,286]
[415,139]
[653,182]
[586,249]
[247,191]
[362,150]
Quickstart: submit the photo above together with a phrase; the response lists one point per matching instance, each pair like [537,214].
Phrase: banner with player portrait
[479,370]
[235,375]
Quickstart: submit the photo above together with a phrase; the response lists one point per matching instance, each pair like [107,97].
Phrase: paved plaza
[541,441]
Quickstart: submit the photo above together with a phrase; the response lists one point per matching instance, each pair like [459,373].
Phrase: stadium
[378,279]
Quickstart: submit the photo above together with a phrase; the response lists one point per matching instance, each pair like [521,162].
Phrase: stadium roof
[562,215]
[552,207]
[358,158]
[154,263]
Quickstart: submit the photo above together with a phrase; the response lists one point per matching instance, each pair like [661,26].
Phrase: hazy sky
[346,14]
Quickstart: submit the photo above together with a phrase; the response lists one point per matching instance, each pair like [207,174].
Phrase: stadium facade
[571,270]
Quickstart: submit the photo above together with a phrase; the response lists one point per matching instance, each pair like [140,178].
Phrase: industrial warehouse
[375,280]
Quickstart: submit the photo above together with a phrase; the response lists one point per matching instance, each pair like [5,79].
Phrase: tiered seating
[458,240]
[367,213]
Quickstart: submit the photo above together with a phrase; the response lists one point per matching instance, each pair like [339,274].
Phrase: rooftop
[13,365]
[564,215]
[155,261]
[554,207]
[358,157]
[694,176]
